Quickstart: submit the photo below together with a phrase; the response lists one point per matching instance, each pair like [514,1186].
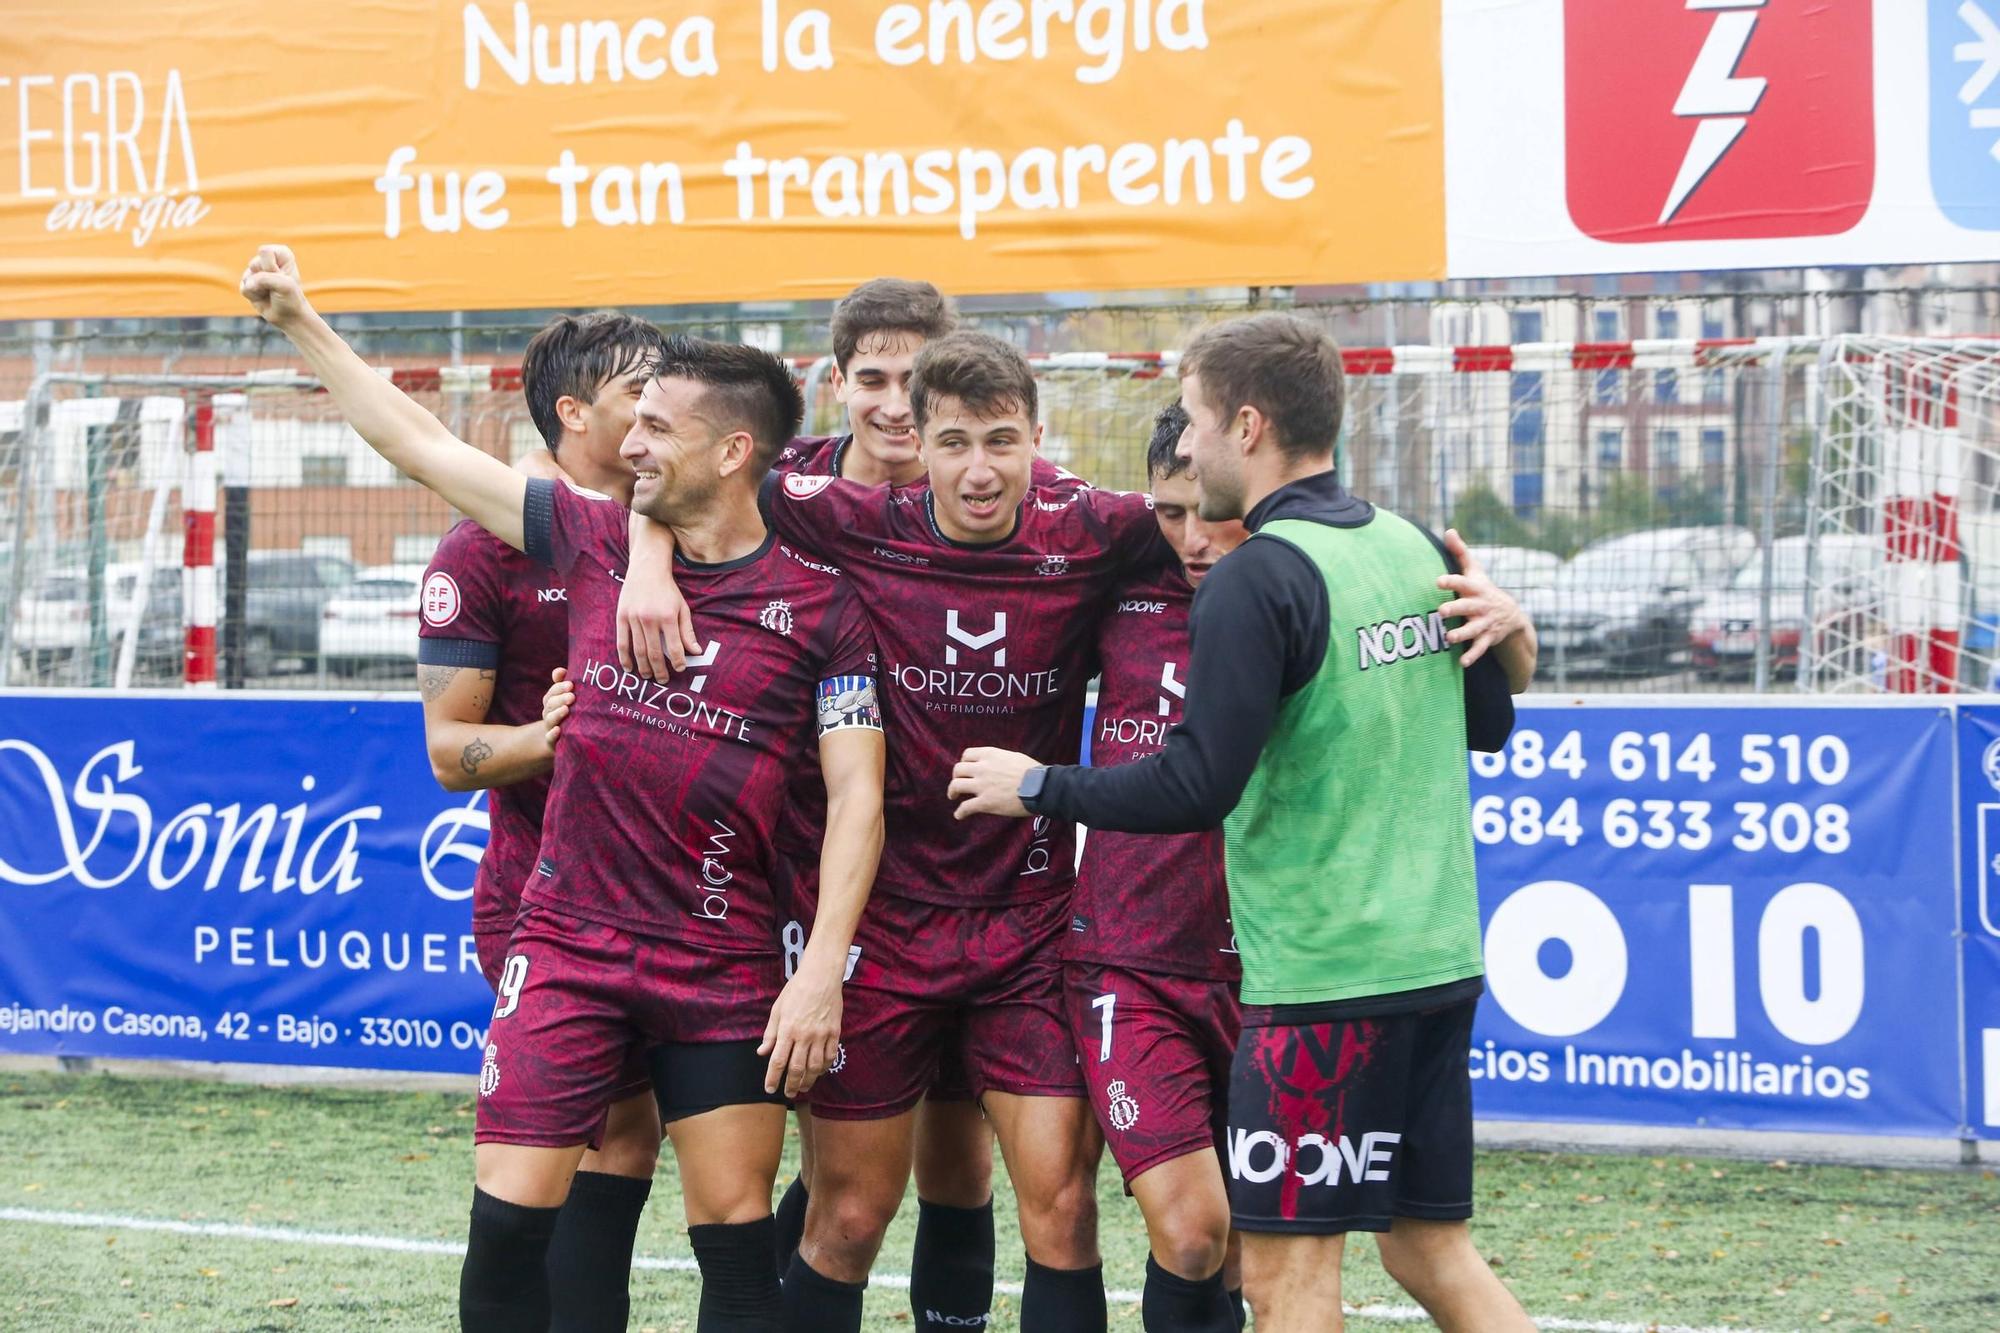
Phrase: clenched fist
[271,285]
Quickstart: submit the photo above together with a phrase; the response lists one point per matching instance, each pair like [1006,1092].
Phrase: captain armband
[848,701]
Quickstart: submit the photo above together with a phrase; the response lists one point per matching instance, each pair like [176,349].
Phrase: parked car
[1625,603]
[52,623]
[1519,569]
[1723,633]
[374,620]
[283,599]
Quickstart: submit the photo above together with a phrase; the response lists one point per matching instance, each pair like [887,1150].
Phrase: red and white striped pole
[198,554]
[1923,462]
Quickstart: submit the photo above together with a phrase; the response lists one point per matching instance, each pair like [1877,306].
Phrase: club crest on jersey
[1123,1112]
[1053,564]
[802,487]
[777,617]
[489,1071]
[441,599]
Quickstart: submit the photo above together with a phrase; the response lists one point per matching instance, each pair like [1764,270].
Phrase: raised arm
[416,443]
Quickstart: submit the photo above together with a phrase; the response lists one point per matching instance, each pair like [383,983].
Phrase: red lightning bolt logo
[1714,93]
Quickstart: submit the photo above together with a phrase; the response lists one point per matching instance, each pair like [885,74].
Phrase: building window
[1609,388]
[1666,451]
[1611,449]
[1714,446]
[323,470]
[1525,326]
[341,548]
[413,548]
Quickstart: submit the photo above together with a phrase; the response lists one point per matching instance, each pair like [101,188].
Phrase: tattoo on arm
[473,756]
[433,681]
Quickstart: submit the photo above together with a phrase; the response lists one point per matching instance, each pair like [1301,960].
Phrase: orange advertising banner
[423,156]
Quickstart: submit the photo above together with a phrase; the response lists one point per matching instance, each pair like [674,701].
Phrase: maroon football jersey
[821,456]
[665,798]
[487,606]
[804,825]
[981,645]
[814,455]
[1149,902]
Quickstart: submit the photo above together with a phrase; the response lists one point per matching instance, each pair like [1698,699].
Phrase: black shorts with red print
[1348,1124]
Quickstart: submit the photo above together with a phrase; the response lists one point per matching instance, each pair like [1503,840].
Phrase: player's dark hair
[1285,367]
[573,356]
[744,388]
[889,306]
[986,374]
[1163,458]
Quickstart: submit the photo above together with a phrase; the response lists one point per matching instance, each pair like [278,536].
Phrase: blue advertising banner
[237,879]
[1724,917]
[1979,914]
[1694,916]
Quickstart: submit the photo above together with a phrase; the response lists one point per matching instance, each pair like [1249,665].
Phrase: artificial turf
[1598,1240]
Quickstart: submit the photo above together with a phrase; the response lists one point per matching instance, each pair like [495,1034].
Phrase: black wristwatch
[1030,789]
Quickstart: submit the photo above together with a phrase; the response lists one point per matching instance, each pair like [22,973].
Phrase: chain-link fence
[1641,470]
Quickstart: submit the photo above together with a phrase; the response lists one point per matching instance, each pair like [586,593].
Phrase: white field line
[352,1240]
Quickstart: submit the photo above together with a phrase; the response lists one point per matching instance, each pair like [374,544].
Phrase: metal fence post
[1774,403]
[96,667]
[34,425]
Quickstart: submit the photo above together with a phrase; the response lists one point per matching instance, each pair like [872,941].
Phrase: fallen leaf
[283,1302]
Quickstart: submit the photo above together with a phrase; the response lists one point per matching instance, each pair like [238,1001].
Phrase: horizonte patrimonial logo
[97,832]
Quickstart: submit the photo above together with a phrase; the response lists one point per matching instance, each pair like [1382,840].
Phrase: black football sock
[739,1292]
[590,1256]
[1172,1304]
[1063,1300]
[817,1304]
[791,1220]
[504,1284]
[1242,1310]
[951,1267]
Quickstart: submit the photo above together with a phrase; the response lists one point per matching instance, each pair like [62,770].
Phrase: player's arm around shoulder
[1494,621]
[395,426]
[1131,527]
[655,626]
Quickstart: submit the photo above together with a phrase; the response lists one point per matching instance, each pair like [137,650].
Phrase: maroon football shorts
[633,1081]
[795,880]
[985,980]
[578,1006]
[491,942]
[1156,1052]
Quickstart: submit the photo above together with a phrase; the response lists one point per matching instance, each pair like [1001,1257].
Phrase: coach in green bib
[1343,660]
